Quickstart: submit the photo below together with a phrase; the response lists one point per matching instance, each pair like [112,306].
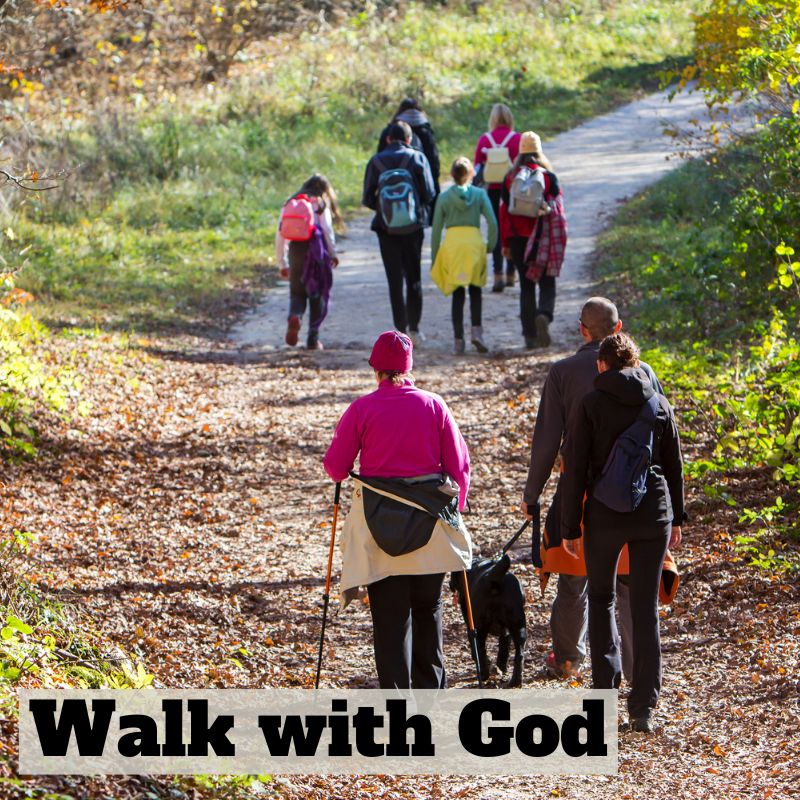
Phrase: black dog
[498,608]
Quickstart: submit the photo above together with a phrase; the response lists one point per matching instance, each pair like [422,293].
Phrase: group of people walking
[590,401]
[521,206]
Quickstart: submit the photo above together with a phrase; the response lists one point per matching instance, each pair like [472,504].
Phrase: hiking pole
[326,597]
[473,636]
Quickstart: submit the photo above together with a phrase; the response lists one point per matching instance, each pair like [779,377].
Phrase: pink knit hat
[392,353]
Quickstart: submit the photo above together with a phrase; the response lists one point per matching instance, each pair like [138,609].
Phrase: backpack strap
[505,141]
[379,164]
[489,136]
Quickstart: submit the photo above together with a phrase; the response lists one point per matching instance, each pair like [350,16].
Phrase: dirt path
[599,164]
[189,518]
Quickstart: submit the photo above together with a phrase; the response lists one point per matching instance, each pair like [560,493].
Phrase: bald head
[600,318]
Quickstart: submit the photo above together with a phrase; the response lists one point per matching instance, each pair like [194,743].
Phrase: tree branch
[22,181]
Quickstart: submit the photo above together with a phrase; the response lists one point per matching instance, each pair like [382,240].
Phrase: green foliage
[716,286]
[176,202]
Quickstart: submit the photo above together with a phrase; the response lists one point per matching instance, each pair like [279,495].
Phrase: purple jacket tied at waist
[318,270]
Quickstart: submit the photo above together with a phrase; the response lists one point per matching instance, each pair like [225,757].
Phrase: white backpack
[526,196]
[498,160]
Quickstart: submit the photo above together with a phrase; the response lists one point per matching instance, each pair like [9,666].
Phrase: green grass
[173,212]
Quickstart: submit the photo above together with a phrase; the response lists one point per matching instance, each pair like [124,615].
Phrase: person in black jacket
[422,135]
[401,253]
[621,389]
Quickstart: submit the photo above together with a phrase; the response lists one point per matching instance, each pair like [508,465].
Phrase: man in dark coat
[401,252]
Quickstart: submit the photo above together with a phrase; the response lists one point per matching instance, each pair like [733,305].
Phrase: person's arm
[480,152]
[280,253]
[577,448]
[326,225]
[553,188]
[432,152]
[436,229]
[672,465]
[547,434]
[491,221]
[425,182]
[455,456]
[653,378]
[369,195]
[344,447]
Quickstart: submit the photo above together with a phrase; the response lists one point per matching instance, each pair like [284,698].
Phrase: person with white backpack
[305,246]
[529,191]
[495,152]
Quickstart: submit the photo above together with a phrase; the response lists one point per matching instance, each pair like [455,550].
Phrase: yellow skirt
[461,260]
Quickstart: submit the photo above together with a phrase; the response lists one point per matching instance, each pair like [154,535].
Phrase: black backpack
[623,482]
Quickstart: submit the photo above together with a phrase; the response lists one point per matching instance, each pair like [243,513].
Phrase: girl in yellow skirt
[460,262]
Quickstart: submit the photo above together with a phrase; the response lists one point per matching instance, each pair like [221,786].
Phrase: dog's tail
[499,569]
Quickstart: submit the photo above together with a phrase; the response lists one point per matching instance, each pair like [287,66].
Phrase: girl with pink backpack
[305,246]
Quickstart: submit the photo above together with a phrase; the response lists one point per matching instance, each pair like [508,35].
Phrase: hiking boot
[292,329]
[542,330]
[531,342]
[499,284]
[511,279]
[642,724]
[557,670]
[458,347]
[477,339]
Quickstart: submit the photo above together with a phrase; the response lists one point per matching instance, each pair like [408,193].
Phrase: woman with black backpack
[623,401]
[423,137]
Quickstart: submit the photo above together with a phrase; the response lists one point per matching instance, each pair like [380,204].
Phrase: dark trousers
[646,549]
[407,631]
[402,260]
[475,308]
[298,297]
[495,196]
[528,307]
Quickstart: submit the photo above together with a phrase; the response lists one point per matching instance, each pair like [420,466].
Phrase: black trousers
[495,195]
[528,306]
[475,309]
[402,260]
[647,546]
[407,631]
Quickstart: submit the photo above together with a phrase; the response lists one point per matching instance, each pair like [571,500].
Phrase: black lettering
[204,734]
[293,733]
[365,722]
[141,742]
[340,731]
[398,729]
[525,735]
[54,736]
[592,723]
[173,728]
[469,728]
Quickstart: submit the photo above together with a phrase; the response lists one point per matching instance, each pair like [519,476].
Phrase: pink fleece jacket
[400,432]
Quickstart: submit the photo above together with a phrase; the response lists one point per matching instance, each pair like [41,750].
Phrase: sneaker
[417,338]
[642,724]
[458,347]
[560,671]
[531,343]
[542,330]
[499,284]
[314,344]
[511,279]
[477,339]
[292,329]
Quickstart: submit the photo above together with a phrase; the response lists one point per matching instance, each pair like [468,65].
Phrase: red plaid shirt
[552,243]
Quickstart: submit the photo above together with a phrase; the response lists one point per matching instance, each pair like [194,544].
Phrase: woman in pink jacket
[401,432]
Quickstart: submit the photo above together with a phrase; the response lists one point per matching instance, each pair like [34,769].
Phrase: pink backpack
[297,219]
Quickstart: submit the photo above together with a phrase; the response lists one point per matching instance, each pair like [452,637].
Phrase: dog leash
[516,536]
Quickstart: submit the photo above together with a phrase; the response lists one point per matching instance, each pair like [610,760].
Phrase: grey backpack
[526,196]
